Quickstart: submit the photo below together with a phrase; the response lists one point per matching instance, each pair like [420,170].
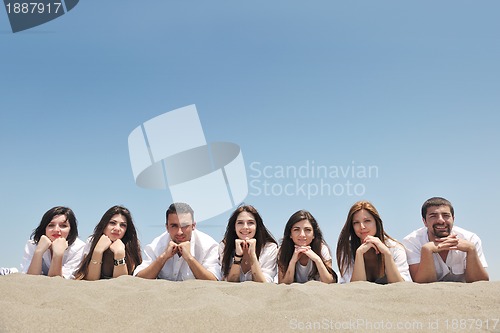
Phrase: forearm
[426,272]
[199,272]
[289,275]
[152,271]
[234,273]
[56,266]
[324,274]
[94,267]
[474,270]
[120,269]
[257,274]
[35,267]
[359,271]
[391,270]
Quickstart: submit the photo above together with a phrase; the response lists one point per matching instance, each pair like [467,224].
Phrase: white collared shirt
[399,257]
[267,261]
[203,249]
[454,267]
[71,259]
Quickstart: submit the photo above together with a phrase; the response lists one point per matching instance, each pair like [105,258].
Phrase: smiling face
[302,233]
[58,227]
[439,221]
[364,224]
[245,226]
[116,227]
[180,227]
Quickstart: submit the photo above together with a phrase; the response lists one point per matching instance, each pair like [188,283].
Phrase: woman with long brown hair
[303,254]
[248,250]
[113,249]
[365,252]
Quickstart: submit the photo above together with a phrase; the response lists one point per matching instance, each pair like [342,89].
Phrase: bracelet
[237,256]
[237,262]
[96,262]
[119,262]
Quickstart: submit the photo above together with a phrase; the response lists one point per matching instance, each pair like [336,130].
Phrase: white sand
[128,304]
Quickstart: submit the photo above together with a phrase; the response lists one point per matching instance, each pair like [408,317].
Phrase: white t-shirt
[203,249]
[71,259]
[302,272]
[267,261]
[454,267]
[399,256]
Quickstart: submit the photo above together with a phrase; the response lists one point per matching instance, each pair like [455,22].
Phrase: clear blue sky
[411,89]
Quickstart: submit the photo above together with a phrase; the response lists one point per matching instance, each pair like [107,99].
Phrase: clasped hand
[59,245]
[304,251]
[243,246]
[371,242]
[182,249]
[451,242]
[105,243]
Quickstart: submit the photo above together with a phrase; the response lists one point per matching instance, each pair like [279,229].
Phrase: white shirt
[267,261]
[302,272]
[71,259]
[454,267]
[203,249]
[399,256]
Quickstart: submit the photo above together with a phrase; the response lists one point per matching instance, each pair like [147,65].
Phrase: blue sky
[410,88]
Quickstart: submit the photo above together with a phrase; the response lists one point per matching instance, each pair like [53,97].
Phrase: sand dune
[128,304]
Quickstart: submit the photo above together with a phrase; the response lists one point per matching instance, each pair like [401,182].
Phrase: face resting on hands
[302,233]
[439,221]
[245,226]
[58,227]
[180,227]
[116,227]
[364,224]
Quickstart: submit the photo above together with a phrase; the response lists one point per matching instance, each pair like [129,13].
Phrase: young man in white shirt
[441,251]
[182,252]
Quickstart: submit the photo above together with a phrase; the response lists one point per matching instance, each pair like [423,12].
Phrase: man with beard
[441,251]
[181,252]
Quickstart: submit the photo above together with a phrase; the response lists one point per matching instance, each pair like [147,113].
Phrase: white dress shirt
[71,259]
[203,249]
[454,267]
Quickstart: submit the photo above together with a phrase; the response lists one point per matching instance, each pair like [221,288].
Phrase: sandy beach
[128,304]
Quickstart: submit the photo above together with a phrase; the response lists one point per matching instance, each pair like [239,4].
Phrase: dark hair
[132,247]
[436,201]
[287,247]
[179,208]
[262,236]
[349,242]
[49,215]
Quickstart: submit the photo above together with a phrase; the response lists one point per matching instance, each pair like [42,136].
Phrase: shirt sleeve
[399,256]
[268,261]
[73,258]
[29,250]
[413,248]
[211,260]
[479,249]
[148,257]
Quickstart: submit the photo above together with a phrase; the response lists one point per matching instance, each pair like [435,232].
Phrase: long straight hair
[287,247]
[262,236]
[349,242]
[132,247]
